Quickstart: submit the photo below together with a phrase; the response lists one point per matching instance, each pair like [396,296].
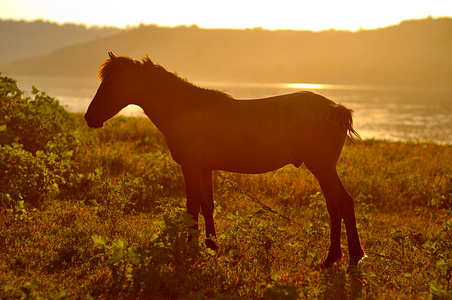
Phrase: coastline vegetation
[99,214]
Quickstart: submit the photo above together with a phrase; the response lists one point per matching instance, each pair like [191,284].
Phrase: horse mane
[111,65]
[149,68]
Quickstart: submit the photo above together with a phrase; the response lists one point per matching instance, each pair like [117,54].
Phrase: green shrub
[161,267]
[40,123]
[26,177]
[37,142]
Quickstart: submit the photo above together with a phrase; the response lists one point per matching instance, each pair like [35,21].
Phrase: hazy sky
[274,14]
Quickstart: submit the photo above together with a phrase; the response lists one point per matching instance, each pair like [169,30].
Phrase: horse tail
[344,117]
[338,115]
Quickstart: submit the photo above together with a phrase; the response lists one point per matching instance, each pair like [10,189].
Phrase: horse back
[253,136]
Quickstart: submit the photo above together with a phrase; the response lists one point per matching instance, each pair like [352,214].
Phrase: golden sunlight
[304,86]
[285,14]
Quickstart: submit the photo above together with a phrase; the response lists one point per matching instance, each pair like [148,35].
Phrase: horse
[207,130]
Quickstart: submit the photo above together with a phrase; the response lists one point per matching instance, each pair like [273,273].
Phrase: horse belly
[249,158]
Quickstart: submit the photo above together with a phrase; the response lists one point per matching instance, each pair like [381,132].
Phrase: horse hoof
[211,244]
[330,260]
[357,260]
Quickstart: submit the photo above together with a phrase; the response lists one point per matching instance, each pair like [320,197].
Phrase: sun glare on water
[312,86]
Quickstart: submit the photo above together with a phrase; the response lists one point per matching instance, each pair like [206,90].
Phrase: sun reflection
[304,85]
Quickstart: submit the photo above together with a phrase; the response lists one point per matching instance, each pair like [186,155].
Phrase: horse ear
[146,59]
[111,55]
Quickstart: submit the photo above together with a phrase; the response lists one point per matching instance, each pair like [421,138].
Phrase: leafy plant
[27,177]
[37,143]
[162,265]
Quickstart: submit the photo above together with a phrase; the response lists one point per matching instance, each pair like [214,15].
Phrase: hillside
[22,39]
[411,53]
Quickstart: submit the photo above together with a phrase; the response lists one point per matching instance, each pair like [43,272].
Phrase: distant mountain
[20,39]
[415,52]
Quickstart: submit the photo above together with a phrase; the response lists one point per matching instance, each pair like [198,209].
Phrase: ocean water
[389,113]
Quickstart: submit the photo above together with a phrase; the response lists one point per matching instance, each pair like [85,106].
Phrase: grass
[118,229]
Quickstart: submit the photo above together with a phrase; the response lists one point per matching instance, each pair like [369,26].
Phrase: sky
[274,14]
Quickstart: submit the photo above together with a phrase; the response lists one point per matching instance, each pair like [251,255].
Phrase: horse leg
[340,206]
[341,200]
[198,185]
[193,197]
[207,207]
[335,251]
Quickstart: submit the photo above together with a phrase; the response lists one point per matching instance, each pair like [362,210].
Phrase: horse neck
[171,102]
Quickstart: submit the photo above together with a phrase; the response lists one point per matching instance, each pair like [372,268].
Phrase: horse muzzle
[93,123]
[96,126]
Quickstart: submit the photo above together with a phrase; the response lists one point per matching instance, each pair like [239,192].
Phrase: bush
[38,124]
[26,177]
[37,142]
[161,267]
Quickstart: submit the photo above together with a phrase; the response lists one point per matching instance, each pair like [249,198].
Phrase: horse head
[120,86]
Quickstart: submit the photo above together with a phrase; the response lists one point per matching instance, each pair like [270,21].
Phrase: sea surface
[421,114]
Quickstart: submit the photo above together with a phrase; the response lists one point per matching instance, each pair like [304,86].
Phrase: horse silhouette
[208,130]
